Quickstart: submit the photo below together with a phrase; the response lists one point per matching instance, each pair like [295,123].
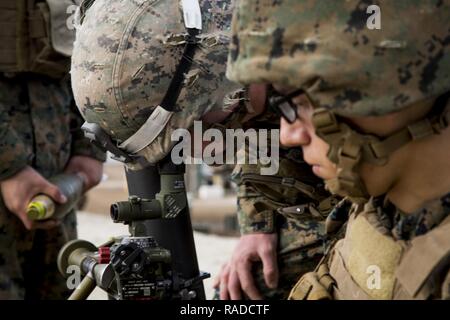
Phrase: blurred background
[212,200]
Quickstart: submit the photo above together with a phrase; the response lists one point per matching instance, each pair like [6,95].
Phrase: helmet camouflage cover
[327,49]
[125,56]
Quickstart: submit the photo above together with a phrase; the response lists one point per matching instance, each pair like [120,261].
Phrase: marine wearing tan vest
[347,70]
[372,262]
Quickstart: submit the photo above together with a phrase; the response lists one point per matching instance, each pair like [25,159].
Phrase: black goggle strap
[192,17]
[159,118]
[176,84]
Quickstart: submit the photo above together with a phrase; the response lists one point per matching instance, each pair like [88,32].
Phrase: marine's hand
[18,190]
[236,278]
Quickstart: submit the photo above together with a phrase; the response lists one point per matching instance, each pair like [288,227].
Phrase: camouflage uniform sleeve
[251,220]
[80,145]
[260,197]
[253,215]
[14,154]
[256,213]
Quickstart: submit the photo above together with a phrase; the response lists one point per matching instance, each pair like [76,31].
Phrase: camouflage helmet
[331,51]
[143,68]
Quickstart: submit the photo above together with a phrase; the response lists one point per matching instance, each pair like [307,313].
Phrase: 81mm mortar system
[158,260]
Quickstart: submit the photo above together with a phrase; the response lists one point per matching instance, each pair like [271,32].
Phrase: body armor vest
[368,264]
[36,36]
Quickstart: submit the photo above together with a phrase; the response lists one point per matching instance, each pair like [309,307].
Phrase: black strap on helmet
[173,92]
[84,6]
[175,86]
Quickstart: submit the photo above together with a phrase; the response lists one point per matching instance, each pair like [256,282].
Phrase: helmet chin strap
[348,148]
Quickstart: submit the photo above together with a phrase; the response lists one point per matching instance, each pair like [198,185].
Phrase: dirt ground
[212,250]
